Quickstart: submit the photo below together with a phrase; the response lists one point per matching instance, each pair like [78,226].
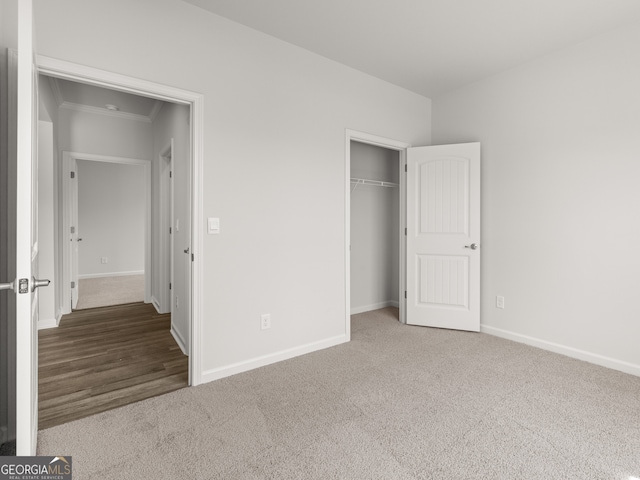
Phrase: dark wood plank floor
[103,358]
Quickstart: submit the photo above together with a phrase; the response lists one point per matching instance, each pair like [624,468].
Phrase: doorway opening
[105,230]
[375,212]
[80,126]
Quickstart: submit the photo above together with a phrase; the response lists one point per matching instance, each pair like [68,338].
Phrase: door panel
[26,240]
[74,235]
[443,220]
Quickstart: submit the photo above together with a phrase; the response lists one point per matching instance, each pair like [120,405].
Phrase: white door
[181,274]
[26,240]
[443,236]
[74,234]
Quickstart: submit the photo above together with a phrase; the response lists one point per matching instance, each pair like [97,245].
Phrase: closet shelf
[373,183]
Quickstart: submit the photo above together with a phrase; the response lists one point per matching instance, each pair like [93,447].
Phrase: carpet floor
[397,402]
[108,291]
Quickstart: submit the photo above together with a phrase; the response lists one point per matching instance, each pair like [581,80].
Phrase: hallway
[104,358]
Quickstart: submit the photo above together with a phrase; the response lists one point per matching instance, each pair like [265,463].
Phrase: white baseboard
[110,274]
[155,303]
[179,340]
[44,323]
[590,357]
[227,371]
[375,306]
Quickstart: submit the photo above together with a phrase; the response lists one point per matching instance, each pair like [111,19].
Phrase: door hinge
[170,174]
[23,285]
[73,174]
[192,257]
[169,285]
[405,231]
[405,167]
[73,284]
[169,230]
[405,294]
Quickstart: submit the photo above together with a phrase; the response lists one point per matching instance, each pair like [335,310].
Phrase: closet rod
[373,183]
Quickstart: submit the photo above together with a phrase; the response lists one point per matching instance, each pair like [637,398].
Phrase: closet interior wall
[375,223]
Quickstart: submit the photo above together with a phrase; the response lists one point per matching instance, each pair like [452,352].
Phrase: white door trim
[68,160]
[400,147]
[80,73]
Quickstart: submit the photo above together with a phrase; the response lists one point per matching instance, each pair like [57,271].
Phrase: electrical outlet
[104,260]
[177,303]
[499,302]
[265,321]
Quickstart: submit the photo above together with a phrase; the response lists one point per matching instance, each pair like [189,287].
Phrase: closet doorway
[376,224]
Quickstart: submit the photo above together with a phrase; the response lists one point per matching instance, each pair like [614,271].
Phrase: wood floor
[103,358]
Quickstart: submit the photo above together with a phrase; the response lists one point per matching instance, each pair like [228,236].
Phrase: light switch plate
[213,225]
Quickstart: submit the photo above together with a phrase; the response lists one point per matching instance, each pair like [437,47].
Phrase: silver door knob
[6,286]
[39,283]
[473,246]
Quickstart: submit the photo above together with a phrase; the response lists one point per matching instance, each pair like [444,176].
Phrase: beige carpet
[397,402]
[107,291]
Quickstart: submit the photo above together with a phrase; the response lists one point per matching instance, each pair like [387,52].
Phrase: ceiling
[429,46]
[85,97]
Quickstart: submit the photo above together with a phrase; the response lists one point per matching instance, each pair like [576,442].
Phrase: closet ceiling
[429,46]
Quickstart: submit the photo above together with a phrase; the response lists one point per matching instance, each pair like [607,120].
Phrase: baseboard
[233,369]
[44,323]
[375,306]
[590,357]
[111,274]
[155,303]
[179,340]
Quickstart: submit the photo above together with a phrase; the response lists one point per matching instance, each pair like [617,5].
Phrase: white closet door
[443,236]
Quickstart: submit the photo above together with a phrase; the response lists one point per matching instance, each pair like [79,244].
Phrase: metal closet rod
[373,183]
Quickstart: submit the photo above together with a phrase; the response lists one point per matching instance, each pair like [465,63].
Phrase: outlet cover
[499,302]
[265,321]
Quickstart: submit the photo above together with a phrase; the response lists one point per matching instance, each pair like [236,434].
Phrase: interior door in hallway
[443,236]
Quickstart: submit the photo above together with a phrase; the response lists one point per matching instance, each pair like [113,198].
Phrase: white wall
[560,196]
[375,223]
[87,132]
[274,135]
[172,122]
[97,134]
[111,218]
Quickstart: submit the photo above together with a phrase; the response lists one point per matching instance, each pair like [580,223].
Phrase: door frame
[80,73]
[401,148]
[164,304]
[68,207]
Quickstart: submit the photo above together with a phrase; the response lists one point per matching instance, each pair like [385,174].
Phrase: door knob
[6,286]
[473,246]
[186,251]
[79,239]
[39,283]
